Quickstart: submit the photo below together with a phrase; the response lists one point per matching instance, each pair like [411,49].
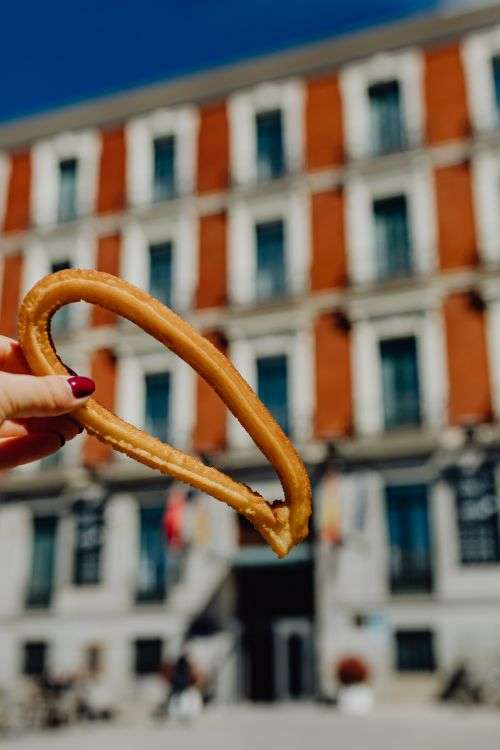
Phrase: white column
[121,548]
[15,557]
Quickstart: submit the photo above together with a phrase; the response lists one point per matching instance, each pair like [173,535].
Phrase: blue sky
[56,53]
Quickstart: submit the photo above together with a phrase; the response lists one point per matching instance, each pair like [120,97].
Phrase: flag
[330,516]
[173,517]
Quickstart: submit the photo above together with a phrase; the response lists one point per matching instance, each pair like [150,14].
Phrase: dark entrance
[275,608]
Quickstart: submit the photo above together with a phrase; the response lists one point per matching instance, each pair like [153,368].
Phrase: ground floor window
[415,651]
[34,658]
[148,655]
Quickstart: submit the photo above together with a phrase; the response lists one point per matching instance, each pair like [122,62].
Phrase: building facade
[329,218]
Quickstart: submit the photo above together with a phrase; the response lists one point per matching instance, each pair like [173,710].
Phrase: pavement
[286,727]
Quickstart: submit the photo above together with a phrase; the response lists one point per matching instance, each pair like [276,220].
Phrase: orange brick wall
[469,379]
[111,192]
[11,288]
[108,260]
[17,210]
[445,95]
[329,258]
[212,264]
[103,372]
[210,429]
[455,217]
[333,416]
[324,131]
[213,148]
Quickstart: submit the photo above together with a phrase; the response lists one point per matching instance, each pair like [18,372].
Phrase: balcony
[411,578]
[154,594]
[39,597]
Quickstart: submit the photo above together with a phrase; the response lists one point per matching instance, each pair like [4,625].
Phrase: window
[61,320]
[392,237]
[477,516]
[158,405]
[67,202]
[164,168]
[270,153]
[272,387]
[42,561]
[415,651]
[34,658]
[409,538]
[386,119]
[148,655]
[151,579]
[400,382]
[271,276]
[89,533]
[160,272]
[496,82]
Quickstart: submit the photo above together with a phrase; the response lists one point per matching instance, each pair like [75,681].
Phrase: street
[294,727]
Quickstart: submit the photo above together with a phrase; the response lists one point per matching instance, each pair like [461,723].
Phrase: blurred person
[95,697]
[34,411]
[185,702]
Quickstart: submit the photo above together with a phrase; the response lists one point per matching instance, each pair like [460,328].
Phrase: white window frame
[406,68]
[132,370]
[141,132]
[85,147]
[182,232]
[288,96]
[417,185]
[5,168]
[493,341]
[292,209]
[79,249]
[486,190]
[478,51]
[297,348]
[367,374]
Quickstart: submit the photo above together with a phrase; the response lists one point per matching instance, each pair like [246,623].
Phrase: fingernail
[81,386]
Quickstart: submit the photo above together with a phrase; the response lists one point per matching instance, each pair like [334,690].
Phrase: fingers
[67,427]
[52,395]
[12,358]
[22,450]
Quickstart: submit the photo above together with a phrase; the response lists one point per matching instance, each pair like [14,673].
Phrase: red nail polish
[81,386]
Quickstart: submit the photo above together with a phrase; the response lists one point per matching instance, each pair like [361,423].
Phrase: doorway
[275,610]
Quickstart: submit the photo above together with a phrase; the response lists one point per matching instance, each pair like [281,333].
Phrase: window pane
[400,382]
[386,117]
[392,237]
[496,82]
[477,516]
[151,578]
[89,533]
[272,387]
[34,658]
[415,651]
[61,320]
[148,655]
[271,276]
[409,537]
[158,405]
[42,561]
[164,168]
[160,272]
[270,156]
[67,206]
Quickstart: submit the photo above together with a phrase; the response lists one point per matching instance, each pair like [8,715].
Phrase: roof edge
[218,82]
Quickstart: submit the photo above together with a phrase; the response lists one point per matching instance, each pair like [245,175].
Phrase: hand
[32,409]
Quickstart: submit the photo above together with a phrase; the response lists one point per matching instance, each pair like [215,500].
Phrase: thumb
[51,395]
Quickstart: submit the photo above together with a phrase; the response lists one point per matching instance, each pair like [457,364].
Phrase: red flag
[173,518]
